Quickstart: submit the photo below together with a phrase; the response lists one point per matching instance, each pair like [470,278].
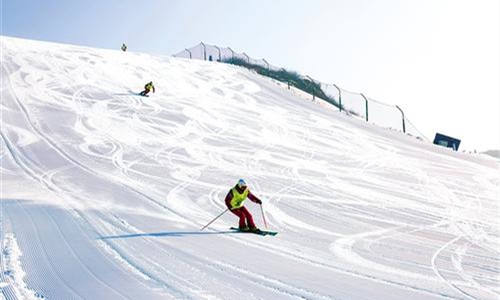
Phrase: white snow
[13,270]
[105,192]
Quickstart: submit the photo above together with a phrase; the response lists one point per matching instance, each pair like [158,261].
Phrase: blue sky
[437,59]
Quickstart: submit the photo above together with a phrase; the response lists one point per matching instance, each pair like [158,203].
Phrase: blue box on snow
[446,141]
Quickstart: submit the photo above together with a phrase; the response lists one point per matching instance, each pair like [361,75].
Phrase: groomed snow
[104,192]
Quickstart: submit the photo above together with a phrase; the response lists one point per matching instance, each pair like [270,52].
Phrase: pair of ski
[260,232]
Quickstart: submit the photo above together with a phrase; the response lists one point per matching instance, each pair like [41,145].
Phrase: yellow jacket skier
[234,201]
[147,88]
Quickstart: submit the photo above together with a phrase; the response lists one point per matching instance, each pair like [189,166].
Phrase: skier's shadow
[130,93]
[164,234]
[126,94]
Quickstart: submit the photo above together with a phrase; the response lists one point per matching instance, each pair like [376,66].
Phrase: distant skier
[234,201]
[124,47]
[147,88]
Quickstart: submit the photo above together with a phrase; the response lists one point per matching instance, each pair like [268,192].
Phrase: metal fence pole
[232,52]
[366,105]
[266,63]
[312,81]
[403,117]
[204,51]
[218,49]
[287,81]
[190,55]
[248,57]
[340,96]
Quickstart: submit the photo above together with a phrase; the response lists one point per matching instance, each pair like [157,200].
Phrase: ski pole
[263,217]
[215,219]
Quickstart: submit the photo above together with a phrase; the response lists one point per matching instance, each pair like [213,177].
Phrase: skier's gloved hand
[259,201]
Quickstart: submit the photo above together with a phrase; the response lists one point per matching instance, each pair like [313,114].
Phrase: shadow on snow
[168,234]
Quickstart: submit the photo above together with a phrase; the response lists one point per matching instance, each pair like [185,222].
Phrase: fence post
[340,97]
[266,63]
[204,51]
[248,57]
[232,52]
[287,81]
[403,117]
[366,106]
[190,55]
[312,81]
[218,49]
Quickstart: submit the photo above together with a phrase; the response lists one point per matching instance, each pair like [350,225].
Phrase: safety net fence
[352,103]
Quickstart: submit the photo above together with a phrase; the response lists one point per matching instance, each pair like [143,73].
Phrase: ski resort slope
[103,192]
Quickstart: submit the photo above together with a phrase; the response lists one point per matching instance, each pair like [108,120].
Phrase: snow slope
[104,192]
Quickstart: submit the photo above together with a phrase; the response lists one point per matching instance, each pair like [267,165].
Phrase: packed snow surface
[104,192]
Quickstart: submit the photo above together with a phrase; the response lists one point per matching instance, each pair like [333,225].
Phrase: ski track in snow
[116,187]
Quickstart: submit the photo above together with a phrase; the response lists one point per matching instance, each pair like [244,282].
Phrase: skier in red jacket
[234,201]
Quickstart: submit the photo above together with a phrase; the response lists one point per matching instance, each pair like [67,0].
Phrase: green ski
[260,232]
